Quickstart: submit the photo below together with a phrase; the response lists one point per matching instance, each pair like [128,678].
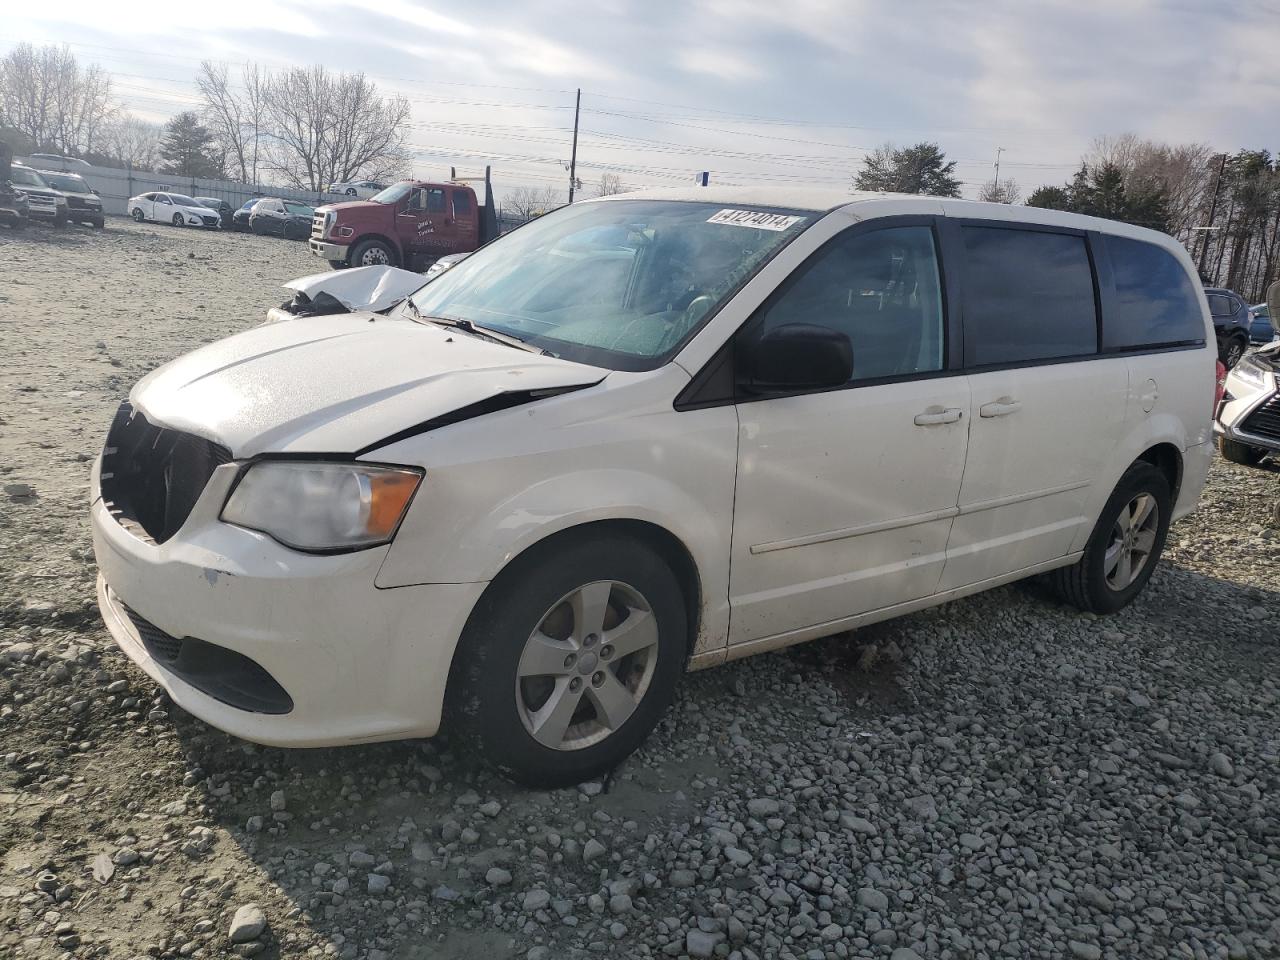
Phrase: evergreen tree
[919,168]
[187,148]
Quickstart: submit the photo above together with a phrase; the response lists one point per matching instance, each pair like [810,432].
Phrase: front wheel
[373,253]
[1241,452]
[570,659]
[177,219]
[1125,544]
[336,264]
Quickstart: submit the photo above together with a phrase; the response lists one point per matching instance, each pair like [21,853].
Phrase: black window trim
[706,389]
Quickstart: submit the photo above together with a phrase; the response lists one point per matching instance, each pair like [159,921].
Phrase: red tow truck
[411,224]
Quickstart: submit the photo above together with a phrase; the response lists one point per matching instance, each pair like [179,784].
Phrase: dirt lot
[998,777]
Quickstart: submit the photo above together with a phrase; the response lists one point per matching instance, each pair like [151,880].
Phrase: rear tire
[373,253]
[137,214]
[1231,350]
[504,696]
[1095,583]
[1240,452]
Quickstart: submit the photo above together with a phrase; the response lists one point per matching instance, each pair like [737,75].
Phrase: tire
[373,253]
[137,214]
[351,191]
[177,219]
[1091,584]
[336,264]
[1240,452]
[99,224]
[498,697]
[291,231]
[1231,350]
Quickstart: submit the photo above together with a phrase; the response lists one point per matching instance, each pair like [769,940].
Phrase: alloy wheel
[587,665]
[1234,352]
[1133,541]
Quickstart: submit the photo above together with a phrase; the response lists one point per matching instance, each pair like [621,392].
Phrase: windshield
[393,193]
[68,182]
[619,284]
[182,201]
[26,178]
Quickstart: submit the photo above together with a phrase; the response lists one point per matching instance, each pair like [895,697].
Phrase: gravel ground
[1000,776]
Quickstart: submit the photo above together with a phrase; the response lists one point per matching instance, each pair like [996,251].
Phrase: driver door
[162,209]
[845,497]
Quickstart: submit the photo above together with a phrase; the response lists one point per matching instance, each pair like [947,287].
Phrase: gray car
[83,203]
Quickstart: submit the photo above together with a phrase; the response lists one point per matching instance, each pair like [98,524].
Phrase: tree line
[305,127]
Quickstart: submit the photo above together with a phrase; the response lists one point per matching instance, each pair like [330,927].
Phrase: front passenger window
[878,288]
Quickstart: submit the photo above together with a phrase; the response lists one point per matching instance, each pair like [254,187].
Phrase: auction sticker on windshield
[754,218]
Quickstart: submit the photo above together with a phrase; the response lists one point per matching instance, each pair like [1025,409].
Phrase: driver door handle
[936,415]
[1000,408]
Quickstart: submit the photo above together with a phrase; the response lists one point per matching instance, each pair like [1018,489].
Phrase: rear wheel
[1231,350]
[570,659]
[351,191]
[1125,544]
[292,231]
[137,214]
[1241,452]
[373,253]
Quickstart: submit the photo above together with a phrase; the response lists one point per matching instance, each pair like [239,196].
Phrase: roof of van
[823,200]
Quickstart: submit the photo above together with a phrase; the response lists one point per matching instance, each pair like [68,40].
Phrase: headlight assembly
[322,507]
[1251,374]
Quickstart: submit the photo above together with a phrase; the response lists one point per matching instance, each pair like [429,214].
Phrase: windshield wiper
[485,333]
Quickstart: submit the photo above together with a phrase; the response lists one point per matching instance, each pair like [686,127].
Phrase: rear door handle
[1000,408]
[936,415]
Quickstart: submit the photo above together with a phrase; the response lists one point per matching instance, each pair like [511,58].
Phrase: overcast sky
[751,90]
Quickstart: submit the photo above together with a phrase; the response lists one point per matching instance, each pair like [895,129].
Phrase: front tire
[570,659]
[336,264]
[1241,453]
[373,253]
[1124,547]
[177,219]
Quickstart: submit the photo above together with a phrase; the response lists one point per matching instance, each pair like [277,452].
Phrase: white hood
[338,384]
[360,288]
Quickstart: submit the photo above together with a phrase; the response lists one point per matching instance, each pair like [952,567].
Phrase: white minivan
[640,435]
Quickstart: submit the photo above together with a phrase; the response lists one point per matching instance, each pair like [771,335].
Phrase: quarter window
[1155,303]
[1220,306]
[881,290]
[1028,296]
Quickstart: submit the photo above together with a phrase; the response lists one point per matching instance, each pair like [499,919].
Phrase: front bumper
[1232,415]
[359,663]
[329,251]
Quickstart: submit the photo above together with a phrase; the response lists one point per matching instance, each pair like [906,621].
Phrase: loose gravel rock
[1001,776]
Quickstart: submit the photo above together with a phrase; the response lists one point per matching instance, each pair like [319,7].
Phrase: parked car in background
[43,201]
[59,161]
[175,208]
[240,219]
[224,208]
[1230,323]
[83,203]
[360,189]
[1261,329]
[643,434]
[1248,416]
[13,205]
[273,216]
[444,263]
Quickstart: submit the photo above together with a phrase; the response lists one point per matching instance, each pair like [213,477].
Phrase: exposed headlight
[322,506]
[1251,374]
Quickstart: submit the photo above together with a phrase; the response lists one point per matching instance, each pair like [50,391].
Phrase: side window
[1028,296]
[881,290]
[148,196]
[1155,302]
[461,204]
[435,200]
[1219,305]
[164,198]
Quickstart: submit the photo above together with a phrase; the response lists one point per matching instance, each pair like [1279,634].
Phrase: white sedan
[175,208]
[360,189]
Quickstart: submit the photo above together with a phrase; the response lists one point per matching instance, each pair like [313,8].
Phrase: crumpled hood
[338,384]
[360,288]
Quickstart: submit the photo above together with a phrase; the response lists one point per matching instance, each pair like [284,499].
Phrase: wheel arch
[1166,458]
[665,543]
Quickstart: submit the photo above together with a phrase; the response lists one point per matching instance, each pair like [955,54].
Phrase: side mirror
[798,356]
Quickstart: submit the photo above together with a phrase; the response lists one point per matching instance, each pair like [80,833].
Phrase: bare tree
[48,97]
[235,115]
[329,127]
[131,142]
[610,184]
[525,203]
[1006,191]
[1183,171]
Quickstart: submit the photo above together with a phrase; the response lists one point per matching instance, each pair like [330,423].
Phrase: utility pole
[996,183]
[1213,209]
[573,157]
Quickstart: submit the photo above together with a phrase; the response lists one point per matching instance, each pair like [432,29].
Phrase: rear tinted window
[461,203]
[1221,306]
[1155,302]
[1027,296]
